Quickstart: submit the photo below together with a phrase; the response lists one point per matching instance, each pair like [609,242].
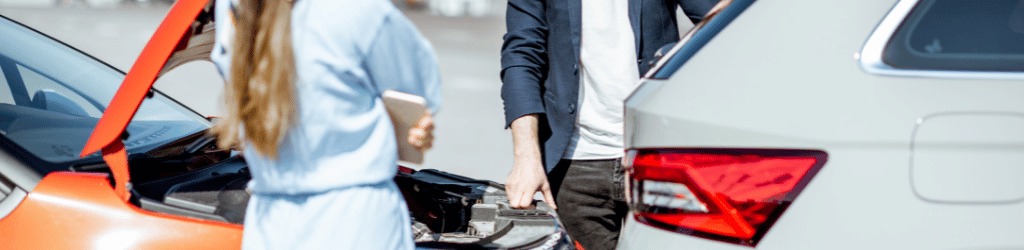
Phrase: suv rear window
[960,35]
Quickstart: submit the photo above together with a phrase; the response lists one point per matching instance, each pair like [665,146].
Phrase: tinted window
[969,35]
[5,94]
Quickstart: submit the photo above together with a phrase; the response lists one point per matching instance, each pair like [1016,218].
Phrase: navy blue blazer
[540,54]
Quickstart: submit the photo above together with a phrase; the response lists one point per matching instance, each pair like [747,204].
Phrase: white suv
[855,124]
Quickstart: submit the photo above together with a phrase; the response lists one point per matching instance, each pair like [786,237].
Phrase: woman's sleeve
[400,59]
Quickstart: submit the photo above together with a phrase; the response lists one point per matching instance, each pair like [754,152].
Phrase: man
[567,67]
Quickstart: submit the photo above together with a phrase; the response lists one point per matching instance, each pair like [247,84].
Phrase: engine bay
[447,211]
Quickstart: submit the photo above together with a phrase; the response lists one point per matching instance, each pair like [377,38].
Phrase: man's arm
[527,176]
[523,57]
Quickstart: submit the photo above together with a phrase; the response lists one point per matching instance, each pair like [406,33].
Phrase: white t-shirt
[608,73]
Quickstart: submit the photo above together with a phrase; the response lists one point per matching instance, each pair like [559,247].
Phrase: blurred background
[466,34]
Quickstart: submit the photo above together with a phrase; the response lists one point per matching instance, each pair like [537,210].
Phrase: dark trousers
[591,200]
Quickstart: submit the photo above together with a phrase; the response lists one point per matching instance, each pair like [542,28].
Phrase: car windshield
[52,96]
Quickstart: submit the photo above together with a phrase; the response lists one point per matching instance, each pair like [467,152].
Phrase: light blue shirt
[346,54]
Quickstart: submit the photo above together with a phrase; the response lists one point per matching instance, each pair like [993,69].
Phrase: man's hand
[527,176]
[422,135]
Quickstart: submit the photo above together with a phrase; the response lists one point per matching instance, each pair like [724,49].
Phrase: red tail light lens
[731,195]
[403,169]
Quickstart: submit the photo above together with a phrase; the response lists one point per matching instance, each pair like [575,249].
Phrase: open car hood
[185,35]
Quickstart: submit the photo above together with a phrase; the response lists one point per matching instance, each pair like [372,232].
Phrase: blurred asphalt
[470,138]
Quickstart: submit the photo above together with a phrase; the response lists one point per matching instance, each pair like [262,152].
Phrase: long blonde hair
[261,89]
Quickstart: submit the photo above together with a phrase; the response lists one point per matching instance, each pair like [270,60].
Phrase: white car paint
[786,74]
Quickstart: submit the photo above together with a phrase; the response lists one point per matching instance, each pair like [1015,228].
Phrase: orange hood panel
[137,84]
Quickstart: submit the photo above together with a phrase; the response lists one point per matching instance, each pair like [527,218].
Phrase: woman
[303,101]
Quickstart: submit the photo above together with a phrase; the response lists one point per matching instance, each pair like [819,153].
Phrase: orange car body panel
[81,211]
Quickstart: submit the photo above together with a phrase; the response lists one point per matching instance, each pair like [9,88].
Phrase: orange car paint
[136,85]
[80,211]
[117,158]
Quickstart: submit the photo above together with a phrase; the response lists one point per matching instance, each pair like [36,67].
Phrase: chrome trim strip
[871,55]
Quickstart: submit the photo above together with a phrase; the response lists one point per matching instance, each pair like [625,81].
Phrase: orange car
[86,163]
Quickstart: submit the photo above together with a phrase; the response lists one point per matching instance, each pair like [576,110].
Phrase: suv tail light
[730,195]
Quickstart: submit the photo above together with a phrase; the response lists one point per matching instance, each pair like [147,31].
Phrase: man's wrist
[527,152]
